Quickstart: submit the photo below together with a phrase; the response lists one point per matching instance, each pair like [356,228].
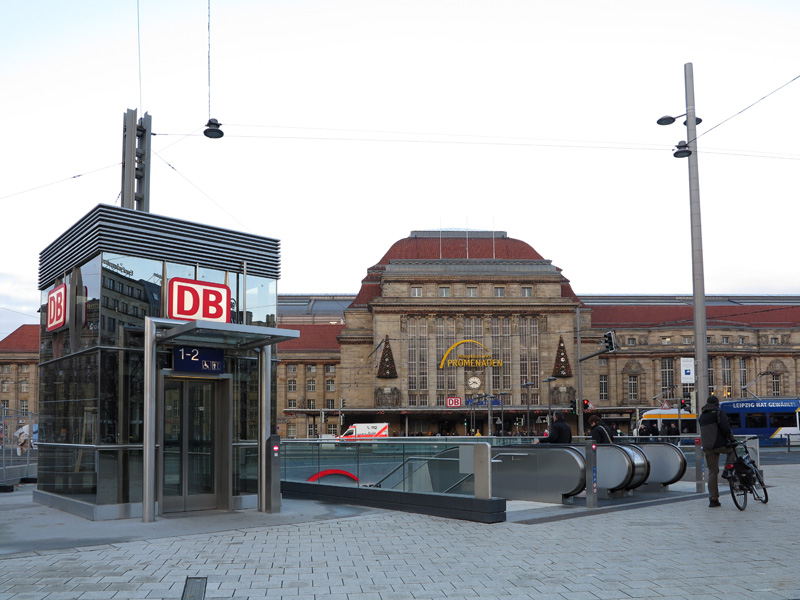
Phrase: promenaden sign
[192,300]
[473,361]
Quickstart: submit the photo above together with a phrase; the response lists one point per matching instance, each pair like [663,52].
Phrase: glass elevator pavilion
[147,407]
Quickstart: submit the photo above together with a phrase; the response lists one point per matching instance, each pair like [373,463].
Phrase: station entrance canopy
[210,334]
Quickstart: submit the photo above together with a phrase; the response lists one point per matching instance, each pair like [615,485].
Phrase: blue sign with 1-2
[198,360]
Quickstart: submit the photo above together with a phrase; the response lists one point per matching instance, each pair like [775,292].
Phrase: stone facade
[481,308]
[19,372]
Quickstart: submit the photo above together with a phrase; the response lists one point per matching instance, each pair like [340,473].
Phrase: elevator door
[189,459]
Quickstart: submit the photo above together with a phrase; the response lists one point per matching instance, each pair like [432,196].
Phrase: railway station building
[447,322]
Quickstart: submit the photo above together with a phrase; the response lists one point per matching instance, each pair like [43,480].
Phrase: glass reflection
[131,291]
[92,381]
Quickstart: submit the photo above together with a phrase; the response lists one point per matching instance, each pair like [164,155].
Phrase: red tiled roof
[24,339]
[312,337]
[648,316]
[432,248]
[446,248]
[368,291]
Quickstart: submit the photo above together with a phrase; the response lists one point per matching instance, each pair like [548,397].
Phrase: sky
[350,123]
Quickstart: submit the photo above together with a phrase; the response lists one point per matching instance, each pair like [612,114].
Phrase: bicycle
[745,478]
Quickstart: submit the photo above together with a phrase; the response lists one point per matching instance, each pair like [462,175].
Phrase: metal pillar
[549,405]
[590,454]
[149,450]
[579,399]
[136,153]
[269,482]
[698,279]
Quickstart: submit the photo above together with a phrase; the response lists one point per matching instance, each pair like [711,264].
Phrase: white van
[365,431]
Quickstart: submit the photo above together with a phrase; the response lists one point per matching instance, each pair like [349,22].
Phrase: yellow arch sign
[473,362]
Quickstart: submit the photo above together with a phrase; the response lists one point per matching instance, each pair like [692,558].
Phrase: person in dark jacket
[716,437]
[601,433]
[560,432]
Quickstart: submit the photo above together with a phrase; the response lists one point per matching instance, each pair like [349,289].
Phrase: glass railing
[245,468]
[438,465]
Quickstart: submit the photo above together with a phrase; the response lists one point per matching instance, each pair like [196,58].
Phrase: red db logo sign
[454,401]
[57,308]
[191,300]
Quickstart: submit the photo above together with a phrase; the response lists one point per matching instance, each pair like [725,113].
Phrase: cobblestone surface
[678,550]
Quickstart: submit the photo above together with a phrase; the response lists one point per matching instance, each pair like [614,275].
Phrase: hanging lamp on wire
[212,130]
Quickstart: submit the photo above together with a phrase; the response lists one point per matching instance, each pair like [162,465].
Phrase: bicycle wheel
[759,489]
[738,492]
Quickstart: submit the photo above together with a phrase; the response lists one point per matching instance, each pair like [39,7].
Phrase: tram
[771,419]
[660,417]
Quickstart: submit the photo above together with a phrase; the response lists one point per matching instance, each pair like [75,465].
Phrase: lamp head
[666,120]
[213,130]
[682,150]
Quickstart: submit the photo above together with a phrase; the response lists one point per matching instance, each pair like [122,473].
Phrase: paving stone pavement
[677,550]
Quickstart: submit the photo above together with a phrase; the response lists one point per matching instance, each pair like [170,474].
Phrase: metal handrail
[482,454]
[402,464]
[95,446]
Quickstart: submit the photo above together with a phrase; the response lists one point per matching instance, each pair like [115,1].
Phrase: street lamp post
[549,404]
[528,407]
[476,400]
[502,413]
[684,150]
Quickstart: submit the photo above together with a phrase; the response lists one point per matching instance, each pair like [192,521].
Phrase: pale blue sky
[350,123]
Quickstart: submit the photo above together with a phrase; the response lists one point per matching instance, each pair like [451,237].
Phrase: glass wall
[92,372]
[110,295]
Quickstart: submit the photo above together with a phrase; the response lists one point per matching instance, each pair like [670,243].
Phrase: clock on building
[474,382]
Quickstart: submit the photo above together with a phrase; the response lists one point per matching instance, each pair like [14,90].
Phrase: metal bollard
[591,474]
[699,465]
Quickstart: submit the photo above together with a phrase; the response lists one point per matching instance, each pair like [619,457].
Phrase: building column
[516,390]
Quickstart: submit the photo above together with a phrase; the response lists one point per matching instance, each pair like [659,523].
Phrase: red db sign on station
[454,401]
[57,308]
[192,300]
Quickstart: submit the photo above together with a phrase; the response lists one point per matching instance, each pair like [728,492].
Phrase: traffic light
[324,417]
[686,405]
[585,405]
[572,405]
[610,340]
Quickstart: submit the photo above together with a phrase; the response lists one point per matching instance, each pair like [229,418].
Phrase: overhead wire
[209,60]
[139,48]
[33,189]
[534,143]
[517,141]
[20,313]
[745,108]
[195,186]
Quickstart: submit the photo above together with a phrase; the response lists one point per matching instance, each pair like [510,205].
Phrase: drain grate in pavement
[194,588]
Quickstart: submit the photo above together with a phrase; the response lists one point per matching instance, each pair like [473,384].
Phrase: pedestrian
[601,433]
[560,432]
[716,438]
[674,433]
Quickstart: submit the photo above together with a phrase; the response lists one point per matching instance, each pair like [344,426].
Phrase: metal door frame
[223,437]
[214,335]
